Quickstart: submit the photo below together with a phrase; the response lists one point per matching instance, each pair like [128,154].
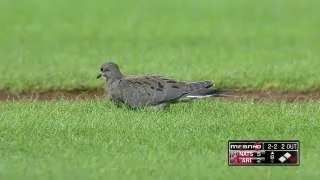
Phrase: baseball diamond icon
[285,157]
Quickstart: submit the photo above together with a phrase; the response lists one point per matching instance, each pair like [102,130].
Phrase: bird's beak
[99,75]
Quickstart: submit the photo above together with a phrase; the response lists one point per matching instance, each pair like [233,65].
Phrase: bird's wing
[153,89]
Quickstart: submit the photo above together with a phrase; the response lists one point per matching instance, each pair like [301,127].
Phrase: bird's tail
[204,93]
[203,89]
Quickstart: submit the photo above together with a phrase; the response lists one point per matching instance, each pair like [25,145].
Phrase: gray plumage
[150,90]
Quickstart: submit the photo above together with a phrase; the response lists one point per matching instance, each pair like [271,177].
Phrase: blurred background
[251,44]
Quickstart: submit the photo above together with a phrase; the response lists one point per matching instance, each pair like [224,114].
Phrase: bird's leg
[116,103]
[161,106]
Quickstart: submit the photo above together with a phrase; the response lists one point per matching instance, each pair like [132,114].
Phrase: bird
[150,90]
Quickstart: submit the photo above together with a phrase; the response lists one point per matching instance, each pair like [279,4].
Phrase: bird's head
[110,70]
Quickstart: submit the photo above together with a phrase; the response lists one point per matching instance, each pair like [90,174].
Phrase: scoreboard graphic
[264,153]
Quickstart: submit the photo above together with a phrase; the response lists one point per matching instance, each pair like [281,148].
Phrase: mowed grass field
[95,140]
[247,44]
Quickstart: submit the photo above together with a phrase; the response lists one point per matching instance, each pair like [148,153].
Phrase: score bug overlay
[263,153]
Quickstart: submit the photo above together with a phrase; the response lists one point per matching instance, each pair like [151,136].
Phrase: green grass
[248,44]
[95,140]
[254,45]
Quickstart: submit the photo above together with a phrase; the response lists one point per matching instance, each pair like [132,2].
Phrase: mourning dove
[151,90]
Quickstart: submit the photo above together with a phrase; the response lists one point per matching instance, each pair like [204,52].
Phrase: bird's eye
[101,69]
